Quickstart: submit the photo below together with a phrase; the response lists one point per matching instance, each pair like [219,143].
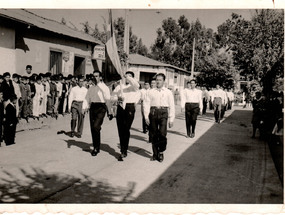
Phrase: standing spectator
[33,92]
[38,98]
[10,121]
[17,90]
[159,107]
[59,92]
[1,116]
[52,99]
[258,114]
[25,98]
[46,92]
[231,98]
[28,71]
[7,87]
[62,101]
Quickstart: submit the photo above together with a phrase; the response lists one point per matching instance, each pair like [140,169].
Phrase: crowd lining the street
[41,95]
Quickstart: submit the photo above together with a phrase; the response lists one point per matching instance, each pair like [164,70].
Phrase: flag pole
[193,55]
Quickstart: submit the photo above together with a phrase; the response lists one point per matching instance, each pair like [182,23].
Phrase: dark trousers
[1,120]
[217,108]
[144,125]
[158,126]
[204,106]
[97,114]
[76,115]
[191,113]
[9,133]
[125,118]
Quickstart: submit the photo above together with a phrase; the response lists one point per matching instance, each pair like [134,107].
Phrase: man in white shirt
[191,100]
[159,108]
[15,78]
[231,97]
[77,104]
[126,98]
[98,99]
[143,96]
[218,99]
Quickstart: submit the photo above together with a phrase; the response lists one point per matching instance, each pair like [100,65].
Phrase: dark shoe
[72,134]
[154,157]
[78,135]
[160,157]
[124,154]
[193,135]
[120,158]
[94,152]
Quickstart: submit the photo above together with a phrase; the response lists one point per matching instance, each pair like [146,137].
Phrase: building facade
[49,46]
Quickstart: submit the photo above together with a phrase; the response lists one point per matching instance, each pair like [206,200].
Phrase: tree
[257,45]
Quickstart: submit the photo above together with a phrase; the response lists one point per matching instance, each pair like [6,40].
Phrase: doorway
[55,62]
[146,76]
[79,66]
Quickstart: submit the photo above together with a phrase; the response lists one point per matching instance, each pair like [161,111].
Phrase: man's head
[15,77]
[258,95]
[153,84]
[7,76]
[98,76]
[130,74]
[29,69]
[13,99]
[217,86]
[192,84]
[160,79]
[146,85]
[39,79]
[80,80]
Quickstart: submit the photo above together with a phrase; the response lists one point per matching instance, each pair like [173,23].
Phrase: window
[55,62]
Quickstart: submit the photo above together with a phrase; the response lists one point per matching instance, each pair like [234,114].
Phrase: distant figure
[10,120]
[28,70]
[144,91]
[176,96]
[218,100]
[258,113]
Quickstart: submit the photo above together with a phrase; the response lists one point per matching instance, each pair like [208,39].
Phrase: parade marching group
[43,95]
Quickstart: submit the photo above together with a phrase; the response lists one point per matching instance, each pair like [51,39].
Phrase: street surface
[222,164]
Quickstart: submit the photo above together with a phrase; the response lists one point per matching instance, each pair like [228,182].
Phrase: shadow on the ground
[140,151]
[110,150]
[38,186]
[223,166]
[83,145]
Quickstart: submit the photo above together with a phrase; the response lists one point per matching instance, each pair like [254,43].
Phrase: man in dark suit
[10,121]
[7,87]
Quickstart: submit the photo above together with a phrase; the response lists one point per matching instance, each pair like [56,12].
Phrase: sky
[144,22]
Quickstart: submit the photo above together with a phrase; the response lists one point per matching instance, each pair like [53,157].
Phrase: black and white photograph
[142,106]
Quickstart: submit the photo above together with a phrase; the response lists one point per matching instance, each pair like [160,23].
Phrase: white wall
[8,59]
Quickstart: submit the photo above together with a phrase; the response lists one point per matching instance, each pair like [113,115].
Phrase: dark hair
[12,97]
[97,71]
[38,78]
[15,75]
[48,74]
[6,74]
[131,73]
[1,77]
[160,74]
[80,77]
[29,67]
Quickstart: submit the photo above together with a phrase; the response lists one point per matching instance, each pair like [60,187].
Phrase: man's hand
[110,116]
[170,124]
[147,121]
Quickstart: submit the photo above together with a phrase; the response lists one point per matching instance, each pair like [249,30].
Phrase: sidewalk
[220,165]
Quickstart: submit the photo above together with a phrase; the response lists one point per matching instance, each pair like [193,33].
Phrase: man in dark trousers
[191,100]
[127,97]
[98,98]
[159,109]
[1,116]
[10,121]
[77,104]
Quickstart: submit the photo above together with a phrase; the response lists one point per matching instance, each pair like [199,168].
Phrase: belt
[217,97]
[159,107]
[77,101]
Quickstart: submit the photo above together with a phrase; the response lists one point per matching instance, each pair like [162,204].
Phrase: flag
[127,32]
[113,69]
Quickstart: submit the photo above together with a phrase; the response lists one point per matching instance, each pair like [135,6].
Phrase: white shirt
[78,94]
[17,89]
[131,92]
[220,93]
[191,96]
[144,92]
[231,96]
[160,98]
[59,89]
